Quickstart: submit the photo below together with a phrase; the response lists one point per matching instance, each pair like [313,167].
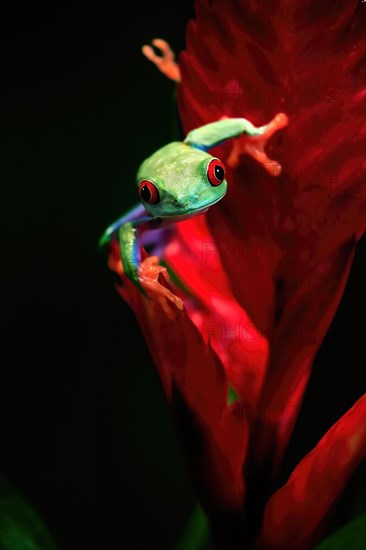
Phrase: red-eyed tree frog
[179,181]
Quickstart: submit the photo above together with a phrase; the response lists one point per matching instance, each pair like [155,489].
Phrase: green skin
[179,171]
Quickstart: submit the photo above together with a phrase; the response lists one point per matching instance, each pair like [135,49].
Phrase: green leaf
[232,395]
[20,526]
[197,533]
[351,537]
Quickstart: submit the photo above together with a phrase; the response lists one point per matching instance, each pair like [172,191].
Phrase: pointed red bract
[220,319]
[196,386]
[295,514]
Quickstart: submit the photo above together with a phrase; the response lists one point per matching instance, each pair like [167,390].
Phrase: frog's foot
[254,145]
[166,61]
[148,274]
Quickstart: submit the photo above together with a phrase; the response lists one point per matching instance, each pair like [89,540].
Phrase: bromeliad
[263,272]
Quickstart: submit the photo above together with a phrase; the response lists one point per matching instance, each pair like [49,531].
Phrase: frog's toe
[254,145]
[149,273]
[166,61]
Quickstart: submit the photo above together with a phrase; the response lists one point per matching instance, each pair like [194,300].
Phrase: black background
[85,431]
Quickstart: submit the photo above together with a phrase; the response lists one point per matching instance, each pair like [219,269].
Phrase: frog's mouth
[191,212]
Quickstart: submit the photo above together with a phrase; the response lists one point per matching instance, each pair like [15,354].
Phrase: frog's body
[179,181]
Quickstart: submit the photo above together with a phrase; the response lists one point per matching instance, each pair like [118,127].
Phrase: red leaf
[295,514]
[196,386]
[297,336]
[243,350]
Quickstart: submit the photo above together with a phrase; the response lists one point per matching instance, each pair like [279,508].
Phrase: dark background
[85,431]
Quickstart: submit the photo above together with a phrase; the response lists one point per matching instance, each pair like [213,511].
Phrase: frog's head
[179,181]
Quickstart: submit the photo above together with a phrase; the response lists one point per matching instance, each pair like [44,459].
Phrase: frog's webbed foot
[254,145]
[166,61]
[148,275]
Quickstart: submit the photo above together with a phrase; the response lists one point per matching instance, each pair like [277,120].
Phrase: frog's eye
[215,172]
[148,192]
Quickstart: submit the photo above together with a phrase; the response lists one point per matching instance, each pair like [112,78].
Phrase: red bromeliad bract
[265,269]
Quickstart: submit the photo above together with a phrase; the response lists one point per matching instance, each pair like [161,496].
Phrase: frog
[181,180]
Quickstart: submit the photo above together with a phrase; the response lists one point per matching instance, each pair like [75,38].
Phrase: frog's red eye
[216,172]
[148,192]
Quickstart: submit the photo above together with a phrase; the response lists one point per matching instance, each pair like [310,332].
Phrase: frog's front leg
[145,273]
[254,145]
[252,139]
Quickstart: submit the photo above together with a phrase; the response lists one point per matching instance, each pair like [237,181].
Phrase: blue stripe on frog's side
[138,212]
